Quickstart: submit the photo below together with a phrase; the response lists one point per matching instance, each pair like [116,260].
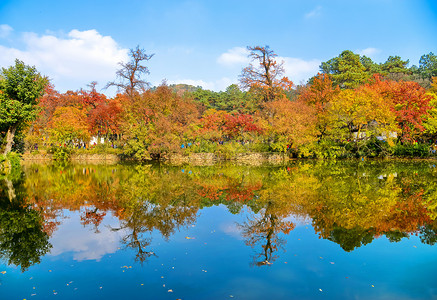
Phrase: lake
[304,230]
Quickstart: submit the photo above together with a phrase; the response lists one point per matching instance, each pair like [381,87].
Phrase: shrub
[61,153]
[411,150]
[230,149]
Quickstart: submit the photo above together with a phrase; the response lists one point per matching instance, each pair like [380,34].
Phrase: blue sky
[203,42]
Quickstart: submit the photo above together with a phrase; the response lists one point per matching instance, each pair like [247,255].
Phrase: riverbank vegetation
[353,108]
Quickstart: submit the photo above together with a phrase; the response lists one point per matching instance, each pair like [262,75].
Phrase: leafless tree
[130,75]
[263,73]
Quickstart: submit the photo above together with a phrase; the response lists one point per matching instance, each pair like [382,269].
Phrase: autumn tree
[287,124]
[263,75]
[430,122]
[409,102]
[130,75]
[69,125]
[105,119]
[360,114]
[20,88]
[155,123]
[319,94]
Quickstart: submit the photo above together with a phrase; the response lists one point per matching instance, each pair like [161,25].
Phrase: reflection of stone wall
[243,158]
[200,159]
[94,157]
[36,157]
[74,157]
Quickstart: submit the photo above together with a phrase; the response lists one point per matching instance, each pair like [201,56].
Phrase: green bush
[203,146]
[230,149]
[14,159]
[258,147]
[324,149]
[411,150]
[61,153]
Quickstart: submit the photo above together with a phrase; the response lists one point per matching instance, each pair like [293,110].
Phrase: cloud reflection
[83,243]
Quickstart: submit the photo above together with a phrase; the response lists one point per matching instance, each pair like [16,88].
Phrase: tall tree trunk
[10,138]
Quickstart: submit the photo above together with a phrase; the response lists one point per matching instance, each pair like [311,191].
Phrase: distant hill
[182,88]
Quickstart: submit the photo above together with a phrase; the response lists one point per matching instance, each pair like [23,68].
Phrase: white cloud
[299,70]
[314,13]
[82,243]
[369,51]
[216,85]
[236,56]
[5,30]
[72,61]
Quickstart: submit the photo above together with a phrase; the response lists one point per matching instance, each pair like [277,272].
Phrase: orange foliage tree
[287,124]
[155,122]
[319,94]
[69,126]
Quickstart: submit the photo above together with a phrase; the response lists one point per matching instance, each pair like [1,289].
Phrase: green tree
[346,70]
[20,88]
[394,64]
[428,65]
[370,65]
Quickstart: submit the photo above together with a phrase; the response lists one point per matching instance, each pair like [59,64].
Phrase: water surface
[306,230]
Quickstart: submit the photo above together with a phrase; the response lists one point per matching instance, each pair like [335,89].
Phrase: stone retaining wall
[75,157]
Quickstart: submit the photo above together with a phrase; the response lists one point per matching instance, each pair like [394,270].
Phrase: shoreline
[205,159]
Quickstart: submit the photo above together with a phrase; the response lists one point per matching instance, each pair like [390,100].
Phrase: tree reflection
[264,230]
[349,203]
[23,240]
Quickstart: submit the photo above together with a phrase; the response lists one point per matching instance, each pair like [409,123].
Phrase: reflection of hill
[349,202]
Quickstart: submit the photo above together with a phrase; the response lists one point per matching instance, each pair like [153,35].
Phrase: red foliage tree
[408,101]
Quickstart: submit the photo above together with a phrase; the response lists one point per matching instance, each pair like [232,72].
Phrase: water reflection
[23,240]
[348,203]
